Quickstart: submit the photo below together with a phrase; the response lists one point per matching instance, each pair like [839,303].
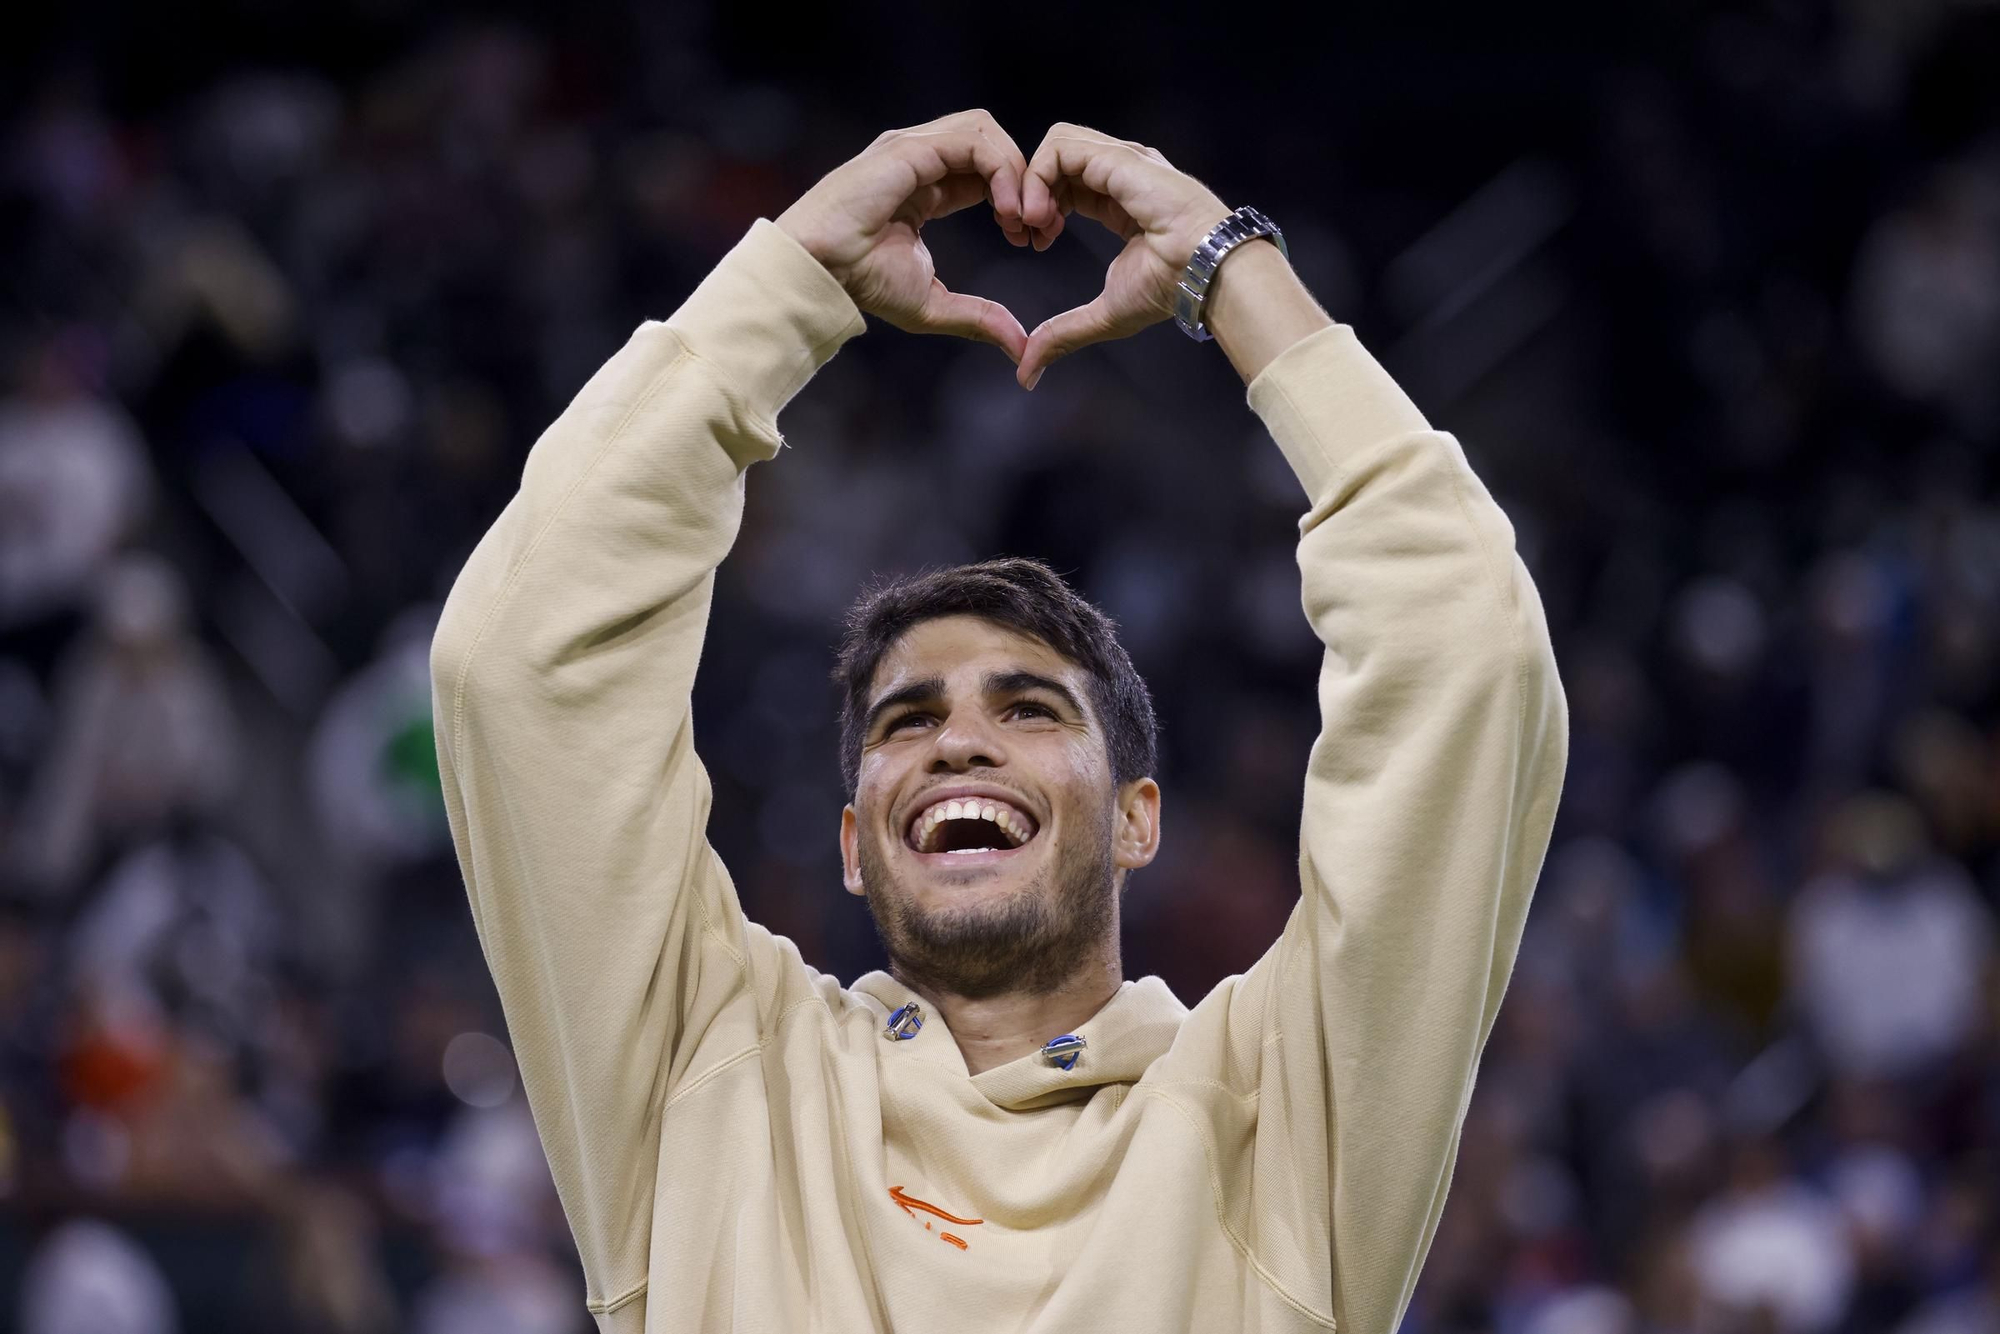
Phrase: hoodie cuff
[1325,398]
[768,316]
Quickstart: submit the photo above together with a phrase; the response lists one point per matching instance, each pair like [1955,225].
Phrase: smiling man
[1000,1132]
[1000,747]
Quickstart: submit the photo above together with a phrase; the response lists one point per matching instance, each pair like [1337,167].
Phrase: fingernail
[1036,378]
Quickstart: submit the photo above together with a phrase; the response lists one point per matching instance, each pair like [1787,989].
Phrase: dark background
[1710,293]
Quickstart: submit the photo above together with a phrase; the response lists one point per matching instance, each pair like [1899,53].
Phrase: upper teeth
[1016,826]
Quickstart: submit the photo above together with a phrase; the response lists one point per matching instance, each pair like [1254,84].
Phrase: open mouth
[967,826]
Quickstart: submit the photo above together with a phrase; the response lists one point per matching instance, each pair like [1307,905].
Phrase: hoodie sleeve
[561,673]
[1429,797]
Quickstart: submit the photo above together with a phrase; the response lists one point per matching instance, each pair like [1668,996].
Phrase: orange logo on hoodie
[910,1204]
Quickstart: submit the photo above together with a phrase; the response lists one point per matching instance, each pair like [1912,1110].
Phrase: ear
[850,851]
[1136,840]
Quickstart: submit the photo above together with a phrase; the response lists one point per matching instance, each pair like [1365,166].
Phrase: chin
[1024,920]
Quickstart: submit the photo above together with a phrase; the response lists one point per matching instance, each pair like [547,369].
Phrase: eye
[1032,708]
[897,724]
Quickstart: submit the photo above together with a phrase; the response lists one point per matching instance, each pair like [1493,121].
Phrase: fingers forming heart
[864,223]
[964,315]
[967,158]
[961,314]
[976,317]
[1138,196]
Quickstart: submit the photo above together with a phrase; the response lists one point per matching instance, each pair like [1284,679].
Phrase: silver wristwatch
[1245,224]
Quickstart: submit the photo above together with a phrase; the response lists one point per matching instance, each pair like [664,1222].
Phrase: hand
[864,219]
[1162,214]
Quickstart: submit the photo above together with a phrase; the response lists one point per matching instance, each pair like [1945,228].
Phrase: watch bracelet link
[1191,292]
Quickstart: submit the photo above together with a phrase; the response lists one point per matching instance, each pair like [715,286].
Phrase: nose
[965,743]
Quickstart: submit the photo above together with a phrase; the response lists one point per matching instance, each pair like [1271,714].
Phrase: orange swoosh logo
[910,1204]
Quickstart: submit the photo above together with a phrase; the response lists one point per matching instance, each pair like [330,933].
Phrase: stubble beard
[1033,941]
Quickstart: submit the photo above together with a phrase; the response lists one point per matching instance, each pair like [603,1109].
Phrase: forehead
[961,649]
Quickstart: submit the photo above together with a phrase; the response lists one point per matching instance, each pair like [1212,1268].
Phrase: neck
[993,1030]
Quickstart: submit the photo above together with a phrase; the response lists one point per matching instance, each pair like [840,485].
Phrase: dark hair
[1025,596]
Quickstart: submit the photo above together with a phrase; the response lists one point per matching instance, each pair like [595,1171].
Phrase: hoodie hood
[1135,1028]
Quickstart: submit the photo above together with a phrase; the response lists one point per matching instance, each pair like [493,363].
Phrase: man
[742,1143]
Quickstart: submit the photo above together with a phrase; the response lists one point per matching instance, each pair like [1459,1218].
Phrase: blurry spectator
[89,1278]
[1880,1194]
[210,273]
[1944,763]
[1587,1310]
[494,1200]
[515,1296]
[73,486]
[491,1189]
[184,925]
[1890,947]
[1858,605]
[1771,1245]
[373,761]
[195,1141]
[145,730]
[331,1274]
[1732,921]
[492,1203]
[1927,293]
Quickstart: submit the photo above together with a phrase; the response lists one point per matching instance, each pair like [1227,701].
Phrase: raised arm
[561,673]
[1430,791]
[564,660]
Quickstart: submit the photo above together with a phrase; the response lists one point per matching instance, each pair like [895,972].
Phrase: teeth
[1017,829]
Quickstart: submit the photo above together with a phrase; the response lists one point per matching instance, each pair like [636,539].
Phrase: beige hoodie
[736,1143]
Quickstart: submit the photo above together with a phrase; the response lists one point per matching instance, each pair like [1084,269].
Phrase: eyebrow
[1020,682]
[930,689]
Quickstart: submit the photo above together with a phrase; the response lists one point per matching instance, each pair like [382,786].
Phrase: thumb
[948,312]
[1060,335]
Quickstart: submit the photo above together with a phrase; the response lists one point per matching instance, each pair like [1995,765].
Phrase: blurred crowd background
[1710,293]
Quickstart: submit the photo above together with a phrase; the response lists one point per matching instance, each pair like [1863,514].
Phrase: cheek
[1077,776]
[874,792]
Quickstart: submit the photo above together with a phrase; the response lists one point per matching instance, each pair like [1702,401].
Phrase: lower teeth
[956,851]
